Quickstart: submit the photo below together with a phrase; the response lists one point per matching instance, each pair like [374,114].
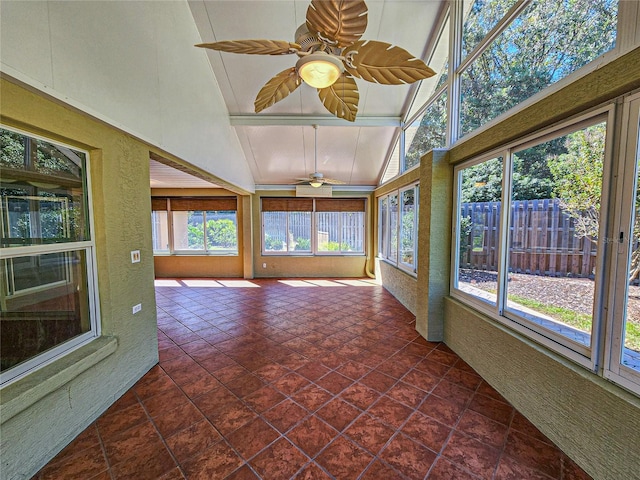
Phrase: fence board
[542,239]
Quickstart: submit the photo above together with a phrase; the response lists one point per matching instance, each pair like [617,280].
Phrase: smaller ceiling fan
[330,54]
[317,179]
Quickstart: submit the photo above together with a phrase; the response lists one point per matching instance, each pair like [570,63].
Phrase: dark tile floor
[313,379]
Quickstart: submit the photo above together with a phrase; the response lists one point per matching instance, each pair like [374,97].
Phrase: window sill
[23,393]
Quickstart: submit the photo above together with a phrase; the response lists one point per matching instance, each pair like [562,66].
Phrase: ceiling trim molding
[336,188]
[322,120]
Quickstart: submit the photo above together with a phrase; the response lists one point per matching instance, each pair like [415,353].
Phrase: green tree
[221,233]
[578,178]
[547,41]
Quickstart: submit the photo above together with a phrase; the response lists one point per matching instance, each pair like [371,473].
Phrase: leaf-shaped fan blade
[340,22]
[253,47]
[381,62]
[341,98]
[277,88]
[333,181]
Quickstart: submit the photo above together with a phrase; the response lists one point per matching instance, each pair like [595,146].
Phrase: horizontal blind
[340,205]
[287,204]
[206,204]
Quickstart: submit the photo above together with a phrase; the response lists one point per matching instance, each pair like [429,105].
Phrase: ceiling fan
[317,179]
[330,54]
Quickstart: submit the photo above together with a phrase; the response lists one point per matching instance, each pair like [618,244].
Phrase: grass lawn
[577,320]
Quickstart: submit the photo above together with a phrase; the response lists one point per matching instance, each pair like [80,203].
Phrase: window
[544,43]
[551,227]
[532,236]
[340,225]
[398,231]
[198,226]
[337,226]
[46,281]
[622,359]
[427,132]
[504,52]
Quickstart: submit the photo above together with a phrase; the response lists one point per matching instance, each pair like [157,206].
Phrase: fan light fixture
[315,183]
[319,69]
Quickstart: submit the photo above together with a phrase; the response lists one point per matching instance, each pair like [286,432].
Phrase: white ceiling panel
[277,151]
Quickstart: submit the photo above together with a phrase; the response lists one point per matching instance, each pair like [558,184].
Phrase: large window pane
[384,227]
[552,242]
[631,334]
[299,235]
[42,192]
[44,294]
[480,17]
[275,231]
[188,230]
[340,232]
[428,132]
[479,230]
[160,231]
[287,231]
[545,43]
[222,232]
[44,303]
[407,227]
[393,228]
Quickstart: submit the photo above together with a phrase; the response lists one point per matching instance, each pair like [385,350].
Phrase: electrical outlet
[135,256]
[264,265]
[137,308]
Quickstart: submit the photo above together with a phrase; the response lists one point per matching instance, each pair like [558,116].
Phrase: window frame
[613,368]
[588,358]
[386,233]
[313,251]
[53,354]
[172,250]
[454,14]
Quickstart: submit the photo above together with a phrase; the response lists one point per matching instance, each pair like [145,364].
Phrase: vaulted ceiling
[279,142]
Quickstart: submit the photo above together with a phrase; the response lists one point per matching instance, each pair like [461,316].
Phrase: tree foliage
[577,178]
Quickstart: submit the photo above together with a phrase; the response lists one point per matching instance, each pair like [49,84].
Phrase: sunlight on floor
[238,283]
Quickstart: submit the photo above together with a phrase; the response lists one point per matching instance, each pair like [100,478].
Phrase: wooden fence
[542,239]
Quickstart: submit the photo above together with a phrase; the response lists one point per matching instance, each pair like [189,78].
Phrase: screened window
[195,225]
[313,226]
[46,294]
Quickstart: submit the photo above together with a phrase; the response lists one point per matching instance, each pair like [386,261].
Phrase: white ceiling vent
[309,191]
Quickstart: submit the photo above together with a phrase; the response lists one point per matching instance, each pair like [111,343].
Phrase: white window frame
[614,369]
[628,12]
[587,357]
[385,232]
[313,252]
[88,246]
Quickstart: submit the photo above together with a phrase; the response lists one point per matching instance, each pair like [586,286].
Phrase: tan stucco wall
[594,422]
[398,283]
[190,266]
[43,422]
[280,266]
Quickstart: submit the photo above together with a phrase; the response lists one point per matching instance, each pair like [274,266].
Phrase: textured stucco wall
[280,266]
[119,167]
[594,422]
[399,283]
[434,243]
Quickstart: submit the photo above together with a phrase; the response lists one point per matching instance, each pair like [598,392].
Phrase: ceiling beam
[322,120]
